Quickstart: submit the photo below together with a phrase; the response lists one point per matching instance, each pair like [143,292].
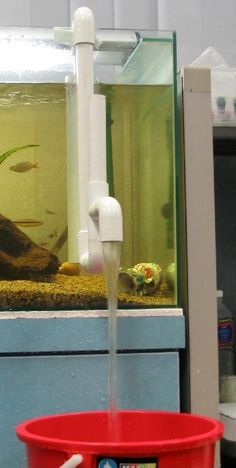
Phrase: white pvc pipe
[84,37]
[106,226]
[97,123]
[100,215]
[73,462]
[84,91]
[98,187]
[106,212]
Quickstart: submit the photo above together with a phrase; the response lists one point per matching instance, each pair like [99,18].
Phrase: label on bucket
[127,462]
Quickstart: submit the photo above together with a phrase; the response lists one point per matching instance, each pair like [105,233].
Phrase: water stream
[111,254]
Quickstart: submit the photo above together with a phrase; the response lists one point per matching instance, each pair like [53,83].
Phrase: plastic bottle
[225,337]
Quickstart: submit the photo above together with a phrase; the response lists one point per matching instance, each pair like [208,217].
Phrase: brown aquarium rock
[20,257]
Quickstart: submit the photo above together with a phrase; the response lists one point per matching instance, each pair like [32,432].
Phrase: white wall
[34,12]
[139,14]
[109,13]
[198,23]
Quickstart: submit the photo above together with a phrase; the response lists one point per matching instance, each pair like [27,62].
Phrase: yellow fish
[50,212]
[28,223]
[24,166]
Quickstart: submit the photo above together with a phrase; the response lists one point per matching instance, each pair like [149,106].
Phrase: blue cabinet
[53,365]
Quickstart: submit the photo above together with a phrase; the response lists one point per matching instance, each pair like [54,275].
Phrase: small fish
[43,244]
[60,241]
[167,210]
[28,223]
[53,234]
[24,166]
[50,212]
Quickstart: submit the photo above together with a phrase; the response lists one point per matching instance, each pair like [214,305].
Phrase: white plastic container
[228,389]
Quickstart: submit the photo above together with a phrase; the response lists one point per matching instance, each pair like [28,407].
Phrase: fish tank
[136,72]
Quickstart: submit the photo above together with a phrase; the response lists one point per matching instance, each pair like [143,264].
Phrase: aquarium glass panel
[136,72]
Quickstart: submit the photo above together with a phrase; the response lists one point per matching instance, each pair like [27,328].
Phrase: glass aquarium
[38,108]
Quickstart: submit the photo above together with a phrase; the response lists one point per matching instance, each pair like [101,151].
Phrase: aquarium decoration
[20,258]
[142,279]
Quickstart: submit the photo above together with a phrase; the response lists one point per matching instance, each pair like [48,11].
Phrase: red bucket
[152,439]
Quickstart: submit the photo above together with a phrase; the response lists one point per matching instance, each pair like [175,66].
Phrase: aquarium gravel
[80,292]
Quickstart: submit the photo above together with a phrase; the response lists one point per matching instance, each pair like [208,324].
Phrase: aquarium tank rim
[47,33]
[35,29]
[34,55]
[164,32]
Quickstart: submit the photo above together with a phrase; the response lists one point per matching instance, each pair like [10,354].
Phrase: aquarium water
[33,181]
[141,176]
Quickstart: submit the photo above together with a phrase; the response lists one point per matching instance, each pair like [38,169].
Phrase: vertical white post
[84,38]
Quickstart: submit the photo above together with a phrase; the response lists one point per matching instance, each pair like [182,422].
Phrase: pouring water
[111,254]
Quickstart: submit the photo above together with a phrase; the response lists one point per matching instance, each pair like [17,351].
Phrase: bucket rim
[117,447]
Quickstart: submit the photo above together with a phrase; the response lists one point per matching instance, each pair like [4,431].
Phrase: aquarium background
[33,195]
[141,151]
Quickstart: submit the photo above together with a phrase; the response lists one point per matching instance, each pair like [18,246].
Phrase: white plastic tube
[84,67]
[98,187]
[97,124]
[99,215]
[73,462]
[84,38]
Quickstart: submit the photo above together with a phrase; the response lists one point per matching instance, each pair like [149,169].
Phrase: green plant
[5,155]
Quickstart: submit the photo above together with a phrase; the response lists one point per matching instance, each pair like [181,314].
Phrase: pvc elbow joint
[106,211]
